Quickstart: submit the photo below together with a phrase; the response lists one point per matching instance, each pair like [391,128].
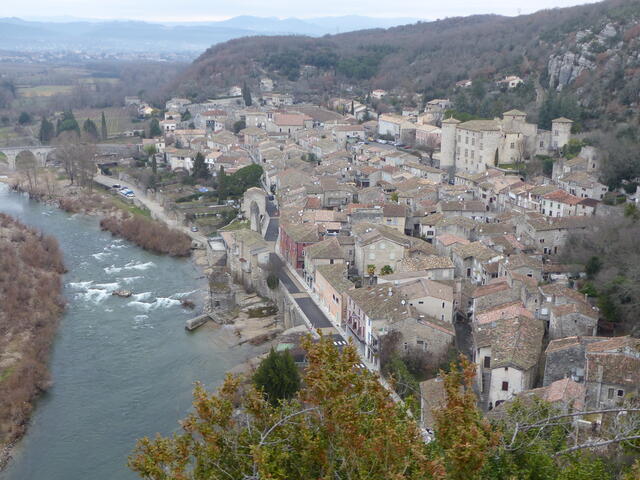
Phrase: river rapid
[122,368]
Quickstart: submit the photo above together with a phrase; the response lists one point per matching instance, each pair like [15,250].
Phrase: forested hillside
[591,50]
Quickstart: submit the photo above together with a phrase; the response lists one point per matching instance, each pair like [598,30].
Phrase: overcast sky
[208,10]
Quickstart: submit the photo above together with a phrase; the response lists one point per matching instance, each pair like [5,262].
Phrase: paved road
[157,210]
[271,235]
[313,313]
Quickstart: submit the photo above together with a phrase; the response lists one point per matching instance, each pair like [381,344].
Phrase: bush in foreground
[150,235]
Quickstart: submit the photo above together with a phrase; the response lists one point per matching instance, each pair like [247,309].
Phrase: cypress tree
[246,95]
[89,127]
[200,168]
[47,131]
[104,133]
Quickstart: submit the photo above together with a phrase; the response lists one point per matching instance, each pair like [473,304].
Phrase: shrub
[149,234]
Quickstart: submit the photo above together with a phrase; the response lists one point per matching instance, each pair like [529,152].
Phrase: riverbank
[118,216]
[31,271]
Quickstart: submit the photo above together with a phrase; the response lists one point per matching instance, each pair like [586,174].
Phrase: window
[513,145]
[487,362]
[423,344]
[505,386]
[442,304]
[372,256]
[468,272]
[405,346]
[610,393]
[420,302]
[621,393]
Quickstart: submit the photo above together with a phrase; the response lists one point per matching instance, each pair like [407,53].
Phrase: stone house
[507,353]
[583,185]
[379,245]
[390,125]
[612,371]
[370,312]
[469,259]
[573,319]
[424,333]
[549,234]
[559,204]
[424,171]
[248,255]
[293,239]
[474,210]
[445,242]
[330,285]
[325,252]
[431,298]
[395,216]
[566,358]
[431,267]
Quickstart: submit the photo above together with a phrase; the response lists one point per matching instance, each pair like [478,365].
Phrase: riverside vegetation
[30,288]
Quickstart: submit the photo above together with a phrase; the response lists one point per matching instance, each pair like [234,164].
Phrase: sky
[213,10]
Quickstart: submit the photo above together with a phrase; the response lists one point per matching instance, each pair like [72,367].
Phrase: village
[415,236]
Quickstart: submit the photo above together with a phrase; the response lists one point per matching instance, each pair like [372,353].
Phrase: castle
[473,146]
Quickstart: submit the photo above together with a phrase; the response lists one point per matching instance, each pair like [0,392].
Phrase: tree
[104,132]
[186,116]
[394,197]
[277,376]
[246,95]
[47,131]
[386,270]
[341,424]
[239,125]
[151,151]
[371,272]
[24,118]
[200,167]
[78,160]
[89,127]
[67,123]
[154,128]
[463,436]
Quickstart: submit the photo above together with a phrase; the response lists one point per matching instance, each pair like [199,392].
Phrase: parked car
[194,229]
[116,185]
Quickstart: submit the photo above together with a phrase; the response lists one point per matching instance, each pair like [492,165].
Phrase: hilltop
[590,49]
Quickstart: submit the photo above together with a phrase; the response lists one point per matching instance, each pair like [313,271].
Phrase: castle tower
[448,144]
[560,132]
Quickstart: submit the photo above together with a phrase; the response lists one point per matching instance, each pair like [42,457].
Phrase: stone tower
[448,144]
[560,132]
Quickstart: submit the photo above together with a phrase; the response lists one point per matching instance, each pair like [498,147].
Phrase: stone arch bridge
[39,152]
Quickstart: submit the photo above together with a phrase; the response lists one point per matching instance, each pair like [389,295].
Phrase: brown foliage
[150,235]
[30,289]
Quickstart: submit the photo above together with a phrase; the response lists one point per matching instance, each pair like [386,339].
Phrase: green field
[118,120]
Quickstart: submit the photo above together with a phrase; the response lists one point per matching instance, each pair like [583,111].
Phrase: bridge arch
[40,153]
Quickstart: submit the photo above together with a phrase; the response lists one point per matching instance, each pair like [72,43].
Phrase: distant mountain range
[114,35]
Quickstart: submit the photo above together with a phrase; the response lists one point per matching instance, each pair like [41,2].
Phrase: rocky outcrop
[564,69]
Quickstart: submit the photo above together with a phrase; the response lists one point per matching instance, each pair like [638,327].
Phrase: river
[122,368]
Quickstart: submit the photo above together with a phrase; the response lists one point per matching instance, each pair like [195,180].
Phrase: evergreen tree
[89,127]
[222,185]
[200,168]
[104,133]
[277,376]
[68,123]
[24,118]
[154,128]
[47,131]
[186,116]
[246,95]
